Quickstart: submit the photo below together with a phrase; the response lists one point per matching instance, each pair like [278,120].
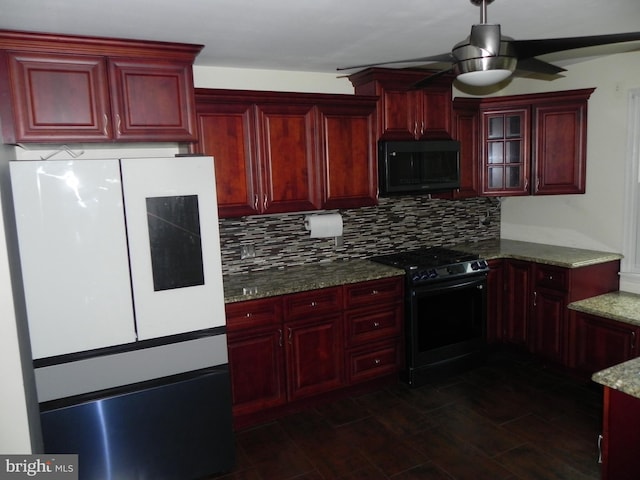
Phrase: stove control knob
[475,266]
[432,273]
[483,264]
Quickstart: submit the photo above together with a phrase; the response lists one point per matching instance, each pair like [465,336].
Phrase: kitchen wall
[401,222]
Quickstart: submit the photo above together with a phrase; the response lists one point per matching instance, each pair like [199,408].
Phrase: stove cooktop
[434,263]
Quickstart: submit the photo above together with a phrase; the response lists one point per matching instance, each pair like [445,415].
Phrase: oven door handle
[478,281]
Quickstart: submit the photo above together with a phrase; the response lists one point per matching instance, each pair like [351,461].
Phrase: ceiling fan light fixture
[485,71]
[484,78]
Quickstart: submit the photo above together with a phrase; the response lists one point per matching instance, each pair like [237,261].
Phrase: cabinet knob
[377,361]
[376,324]
[248,315]
[374,292]
[314,304]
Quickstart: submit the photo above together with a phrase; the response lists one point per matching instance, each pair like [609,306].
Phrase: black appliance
[416,167]
[445,310]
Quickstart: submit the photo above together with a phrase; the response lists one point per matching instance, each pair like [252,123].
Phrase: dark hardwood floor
[512,418]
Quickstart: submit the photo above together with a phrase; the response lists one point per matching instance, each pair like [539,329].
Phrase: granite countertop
[624,377]
[620,306]
[274,282]
[567,257]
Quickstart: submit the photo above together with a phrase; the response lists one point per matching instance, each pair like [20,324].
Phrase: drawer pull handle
[249,314]
[314,304]
[600,438]
[376,324]
[374,292]
[377,361]
[550,277]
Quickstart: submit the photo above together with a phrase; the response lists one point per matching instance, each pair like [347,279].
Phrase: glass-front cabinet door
[505,166]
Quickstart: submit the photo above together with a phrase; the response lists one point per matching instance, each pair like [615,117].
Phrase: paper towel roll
[322,226]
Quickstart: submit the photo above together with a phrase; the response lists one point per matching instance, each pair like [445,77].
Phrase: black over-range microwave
[414,167]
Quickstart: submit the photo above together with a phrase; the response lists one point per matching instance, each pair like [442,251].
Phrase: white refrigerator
[122,278]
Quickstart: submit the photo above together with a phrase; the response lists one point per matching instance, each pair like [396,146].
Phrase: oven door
[446,323]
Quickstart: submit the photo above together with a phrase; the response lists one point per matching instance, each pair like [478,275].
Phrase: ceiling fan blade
[486,37]
[427,80]
[533,65]
[443,57]
[533,48]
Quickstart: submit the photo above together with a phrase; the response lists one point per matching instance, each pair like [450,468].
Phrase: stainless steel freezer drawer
[179,427]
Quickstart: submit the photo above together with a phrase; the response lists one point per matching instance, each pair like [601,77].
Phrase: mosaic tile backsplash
[405,223]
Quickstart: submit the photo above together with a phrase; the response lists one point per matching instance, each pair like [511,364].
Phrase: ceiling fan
[487,57]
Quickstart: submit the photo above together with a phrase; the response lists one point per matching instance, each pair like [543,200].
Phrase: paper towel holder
[318,227]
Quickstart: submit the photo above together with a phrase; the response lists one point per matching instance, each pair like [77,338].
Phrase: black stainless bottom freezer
[179,427]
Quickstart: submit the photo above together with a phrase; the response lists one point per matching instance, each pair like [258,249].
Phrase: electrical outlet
[247,251]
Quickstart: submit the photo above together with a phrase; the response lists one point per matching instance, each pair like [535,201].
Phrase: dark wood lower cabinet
[288,350]
[314,356]
[517,306]
[620,436]
[534,299]
[599,343]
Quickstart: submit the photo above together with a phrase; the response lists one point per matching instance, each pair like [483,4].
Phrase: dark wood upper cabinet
[287,158]
[406,112]
[279,152]
[466,129]
[84,89]
[348,153]
[532,144]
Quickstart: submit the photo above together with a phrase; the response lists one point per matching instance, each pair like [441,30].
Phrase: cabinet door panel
[316,302]
[365,294]
[151,100]
[560,133]
[435,112]
[59,97]
[466,130]
[287,150]
[518,302]
[373,361]
[314,356]
[495,297]
[398,115]
[602,343]
[506,140]
[256,363]
[348,159]
[251,314]
[364,325]
[548,324]
[225,132]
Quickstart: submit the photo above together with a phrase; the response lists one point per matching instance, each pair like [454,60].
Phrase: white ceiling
[316,35]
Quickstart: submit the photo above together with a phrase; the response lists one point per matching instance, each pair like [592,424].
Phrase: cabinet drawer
[548,276]
[315,302]
[374,361]
[253,313]
[366,325]
[366,293]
